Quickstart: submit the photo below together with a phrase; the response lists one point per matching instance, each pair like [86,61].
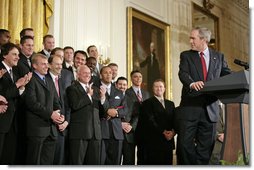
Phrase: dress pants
[41,150]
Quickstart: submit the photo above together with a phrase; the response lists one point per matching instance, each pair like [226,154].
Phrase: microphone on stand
[242,63]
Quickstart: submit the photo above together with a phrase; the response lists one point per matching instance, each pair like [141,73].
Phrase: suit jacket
[42,52]
[191,71]
[41,100]
[133,111]
[23,66]
[85,121]
[114,100]
[65,80]
[154,119]
[9,90]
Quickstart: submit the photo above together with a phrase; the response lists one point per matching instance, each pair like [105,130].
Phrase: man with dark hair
[11,87]
[136,95]
[49,45]
[27,50]
[114,68]
[198,113]
[80,57]
[112,109]
[4,37]
[93,52]
[26,32]
[68,58]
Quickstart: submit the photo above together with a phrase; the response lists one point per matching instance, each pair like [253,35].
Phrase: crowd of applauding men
[62,107]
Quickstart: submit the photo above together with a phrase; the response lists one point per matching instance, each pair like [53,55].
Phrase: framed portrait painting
[148,49]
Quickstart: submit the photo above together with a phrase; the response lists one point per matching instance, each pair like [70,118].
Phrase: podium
[233,91]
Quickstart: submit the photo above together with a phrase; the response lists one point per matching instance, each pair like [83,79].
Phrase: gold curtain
[18,14]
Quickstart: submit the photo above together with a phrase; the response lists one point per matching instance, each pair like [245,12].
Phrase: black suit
[153,70]
[41,100]
[112,134]
[154,119]
[8,124]
[42,52]
[197,113]
[131,117]
[85,129]
[23,68]
[65,80]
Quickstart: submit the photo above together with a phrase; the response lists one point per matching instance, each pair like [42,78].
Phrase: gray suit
[112,133]
[197,112]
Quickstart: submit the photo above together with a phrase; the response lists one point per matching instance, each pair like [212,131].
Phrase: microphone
[242,63]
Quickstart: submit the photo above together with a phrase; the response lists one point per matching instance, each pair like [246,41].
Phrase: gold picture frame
[142,31]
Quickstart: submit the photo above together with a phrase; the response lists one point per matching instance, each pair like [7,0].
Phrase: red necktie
[203,65]
[57,86]
[139,96]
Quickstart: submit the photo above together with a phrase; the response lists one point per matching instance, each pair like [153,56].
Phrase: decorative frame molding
[147,23]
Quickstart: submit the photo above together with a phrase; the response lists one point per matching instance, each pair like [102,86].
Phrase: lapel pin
[214,58]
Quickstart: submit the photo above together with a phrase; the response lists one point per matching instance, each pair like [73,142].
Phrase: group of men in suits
[104,121]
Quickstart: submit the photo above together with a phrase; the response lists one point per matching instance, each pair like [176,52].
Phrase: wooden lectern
[233,91]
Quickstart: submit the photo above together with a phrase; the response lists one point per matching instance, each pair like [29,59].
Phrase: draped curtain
[18,14]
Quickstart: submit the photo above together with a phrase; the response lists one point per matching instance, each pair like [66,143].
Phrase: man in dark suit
[85,129]
[112,109]
[24,66]
[42,114]
[49,45]
[156,119]
[130,121]
[91,63]
[11,88]
[153,69]
[93,52]
[198,112]
[61,79]
[68,58]
[27,49]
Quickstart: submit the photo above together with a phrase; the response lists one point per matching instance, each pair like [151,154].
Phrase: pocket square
[117,97]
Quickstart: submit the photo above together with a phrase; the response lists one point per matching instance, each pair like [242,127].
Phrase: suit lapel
[197,62]
[41,81]
[80,88]
[6,75]
[213,60]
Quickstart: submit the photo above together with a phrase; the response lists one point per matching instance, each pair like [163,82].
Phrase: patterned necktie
[57,86]
[29,62]
[139,96]
[44,80]
[204,69]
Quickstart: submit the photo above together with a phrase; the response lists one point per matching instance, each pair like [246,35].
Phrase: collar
[6,66]
[159,98]
[68,65]
[106,86]
[83,85]
[40,75]
[46,52]
[136,88]
[53,76]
